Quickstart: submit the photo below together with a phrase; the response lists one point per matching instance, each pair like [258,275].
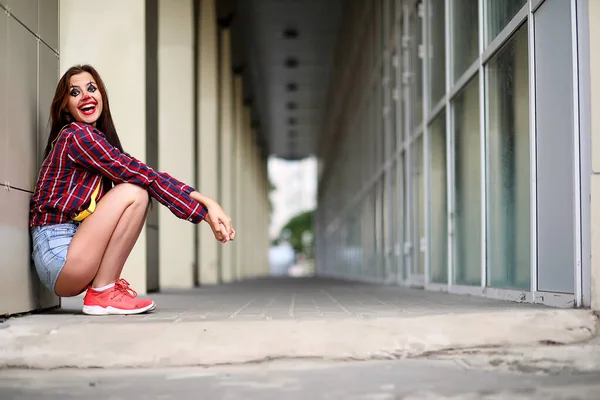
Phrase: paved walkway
[263,320]
[300,299]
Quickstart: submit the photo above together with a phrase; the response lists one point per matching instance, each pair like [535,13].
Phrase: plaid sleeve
[91,150]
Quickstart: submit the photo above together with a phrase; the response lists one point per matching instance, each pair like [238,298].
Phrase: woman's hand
[219,221]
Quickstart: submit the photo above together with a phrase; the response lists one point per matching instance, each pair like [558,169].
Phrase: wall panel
[555,147]
[26,11]
[20,289]
[28,76]
[48,28]
[48,74]
[22,107]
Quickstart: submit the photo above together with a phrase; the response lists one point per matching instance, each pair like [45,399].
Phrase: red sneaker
[119,300]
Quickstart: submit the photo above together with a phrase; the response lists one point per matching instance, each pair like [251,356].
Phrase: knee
[141,197]
[136,194]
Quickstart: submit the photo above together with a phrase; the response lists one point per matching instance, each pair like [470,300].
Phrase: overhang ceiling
[285,48]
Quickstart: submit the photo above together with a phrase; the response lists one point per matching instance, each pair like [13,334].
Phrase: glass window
[393,229]
[379,125]
[437,51]
[438,236]
[391,20]
[372,135]
[377,31]
[392,104]
[399,206]
[389,14]
[404,227]
[397,70]
[379,228]
[370,235]
[416,65]
[465,35]
[508,166]
[500,13]
[467,186]
[384,144]
[417,205]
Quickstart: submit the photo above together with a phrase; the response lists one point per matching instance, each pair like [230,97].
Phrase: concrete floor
[329,340]
[299,380]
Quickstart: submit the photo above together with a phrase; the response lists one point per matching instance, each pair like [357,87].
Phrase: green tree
[297,226]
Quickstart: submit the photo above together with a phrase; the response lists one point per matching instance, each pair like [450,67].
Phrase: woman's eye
[91,88]
[74,93]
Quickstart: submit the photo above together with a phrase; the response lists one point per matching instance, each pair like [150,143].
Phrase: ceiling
[285,49]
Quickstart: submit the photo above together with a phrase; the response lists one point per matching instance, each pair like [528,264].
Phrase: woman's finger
[216,228]
[224,232]
[226,221]
[218,234]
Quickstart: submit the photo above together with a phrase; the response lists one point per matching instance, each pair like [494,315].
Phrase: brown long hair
[60,116]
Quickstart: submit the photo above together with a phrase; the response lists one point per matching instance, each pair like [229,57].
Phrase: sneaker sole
[98,310]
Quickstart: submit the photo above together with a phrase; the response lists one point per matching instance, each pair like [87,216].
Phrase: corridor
[454,208]
[446,155]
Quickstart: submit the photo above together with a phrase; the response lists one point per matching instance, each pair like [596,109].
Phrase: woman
[91,199]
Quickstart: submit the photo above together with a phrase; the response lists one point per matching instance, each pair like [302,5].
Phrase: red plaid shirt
[80,158]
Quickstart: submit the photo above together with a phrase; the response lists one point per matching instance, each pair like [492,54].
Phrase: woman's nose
[86,96]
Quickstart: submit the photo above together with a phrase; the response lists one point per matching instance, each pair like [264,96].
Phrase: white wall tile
[48,22]
[25,11]
[22,106]
[48,71]
[20,288]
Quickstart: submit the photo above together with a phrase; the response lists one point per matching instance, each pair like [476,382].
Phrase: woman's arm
[200,198]
[90,149]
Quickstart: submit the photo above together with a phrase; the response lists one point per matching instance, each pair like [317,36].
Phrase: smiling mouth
[88,109]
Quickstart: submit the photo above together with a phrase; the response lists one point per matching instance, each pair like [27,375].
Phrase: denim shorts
[50,246]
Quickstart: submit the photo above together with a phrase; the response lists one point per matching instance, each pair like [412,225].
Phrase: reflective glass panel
[508,166]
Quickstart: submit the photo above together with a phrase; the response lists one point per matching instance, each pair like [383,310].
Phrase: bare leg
[121,243]
[104,240]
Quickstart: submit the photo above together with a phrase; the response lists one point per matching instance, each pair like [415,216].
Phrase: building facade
[466,157]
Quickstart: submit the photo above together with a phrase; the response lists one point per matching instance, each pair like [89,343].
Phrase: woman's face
[85,100]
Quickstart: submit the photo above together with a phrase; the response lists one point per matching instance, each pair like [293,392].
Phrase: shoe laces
[122,287]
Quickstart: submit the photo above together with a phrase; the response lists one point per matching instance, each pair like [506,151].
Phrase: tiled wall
[29,68]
